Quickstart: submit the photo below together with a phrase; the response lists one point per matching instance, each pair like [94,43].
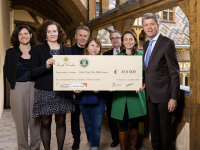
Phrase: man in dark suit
[115,38]
[162,82]
[82,34]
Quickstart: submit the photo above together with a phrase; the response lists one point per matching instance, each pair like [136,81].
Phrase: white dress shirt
[115,51]
[153,44]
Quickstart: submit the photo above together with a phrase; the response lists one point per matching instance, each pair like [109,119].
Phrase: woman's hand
[96,91]
[77,91]
[50,62]
[141,89]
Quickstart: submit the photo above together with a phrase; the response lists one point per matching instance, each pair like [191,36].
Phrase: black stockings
[60,130]
[46,130]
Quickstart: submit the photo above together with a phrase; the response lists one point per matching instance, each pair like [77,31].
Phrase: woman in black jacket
[48,102]
[16,69]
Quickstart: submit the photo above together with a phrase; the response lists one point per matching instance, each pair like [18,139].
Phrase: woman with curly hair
[48,102]
[16,70]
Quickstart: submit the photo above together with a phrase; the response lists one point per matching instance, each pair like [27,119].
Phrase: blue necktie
[148,54]
[117,51]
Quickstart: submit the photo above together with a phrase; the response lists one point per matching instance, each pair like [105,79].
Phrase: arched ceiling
[68,13]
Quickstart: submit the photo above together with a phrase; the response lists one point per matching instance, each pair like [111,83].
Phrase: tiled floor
[8,140]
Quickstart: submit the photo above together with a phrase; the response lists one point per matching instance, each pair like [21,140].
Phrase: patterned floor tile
[8,140]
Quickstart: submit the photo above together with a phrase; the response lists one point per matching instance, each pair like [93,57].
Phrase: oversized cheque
[83,72]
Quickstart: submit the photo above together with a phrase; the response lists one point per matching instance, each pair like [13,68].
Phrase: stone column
[4,43]
[192,11]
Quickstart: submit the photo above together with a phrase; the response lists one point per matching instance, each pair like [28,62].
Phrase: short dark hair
[14,38]
[88,42]
[41,33]
[135,48]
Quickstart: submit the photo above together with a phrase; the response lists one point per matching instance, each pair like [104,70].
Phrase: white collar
[156,37]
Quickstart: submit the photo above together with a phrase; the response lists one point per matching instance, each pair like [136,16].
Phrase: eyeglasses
[115,38]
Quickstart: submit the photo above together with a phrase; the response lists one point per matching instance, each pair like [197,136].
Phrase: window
[97,7]
[103,8]
[168,14]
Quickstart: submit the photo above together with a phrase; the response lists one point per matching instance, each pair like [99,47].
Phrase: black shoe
[114,143]
[75,145]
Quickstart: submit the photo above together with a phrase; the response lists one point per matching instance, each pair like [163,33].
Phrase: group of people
[29,70]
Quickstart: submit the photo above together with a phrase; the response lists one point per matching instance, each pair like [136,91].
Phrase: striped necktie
[148,53]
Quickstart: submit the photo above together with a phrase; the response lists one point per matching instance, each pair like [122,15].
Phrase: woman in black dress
[48,102]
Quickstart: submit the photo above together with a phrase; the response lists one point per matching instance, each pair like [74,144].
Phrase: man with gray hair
[162,82]
[115,38]
[82,34]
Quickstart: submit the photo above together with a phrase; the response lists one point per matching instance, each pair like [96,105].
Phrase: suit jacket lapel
[111,51]
[155,49]
[145,47]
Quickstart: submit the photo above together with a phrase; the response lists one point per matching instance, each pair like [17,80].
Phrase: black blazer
[162,76]
[42,75]
[109,52]
[11,65]
[74,49]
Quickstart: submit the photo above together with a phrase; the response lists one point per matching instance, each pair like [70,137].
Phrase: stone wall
[4,43]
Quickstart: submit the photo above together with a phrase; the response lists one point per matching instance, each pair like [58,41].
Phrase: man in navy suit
[82,34]
[162,81]
[115,38]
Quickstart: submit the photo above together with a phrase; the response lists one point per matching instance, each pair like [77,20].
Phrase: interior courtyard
[179,20]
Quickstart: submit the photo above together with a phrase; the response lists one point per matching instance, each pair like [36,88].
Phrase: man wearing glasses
[115,38]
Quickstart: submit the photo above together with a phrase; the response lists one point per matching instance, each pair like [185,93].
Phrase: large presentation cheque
[83,72]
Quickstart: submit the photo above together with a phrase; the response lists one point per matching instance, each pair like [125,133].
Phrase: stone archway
[191,9]
[69,14]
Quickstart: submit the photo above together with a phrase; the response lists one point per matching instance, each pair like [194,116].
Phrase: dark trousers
[160,125]
[75,122]
[113,126]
